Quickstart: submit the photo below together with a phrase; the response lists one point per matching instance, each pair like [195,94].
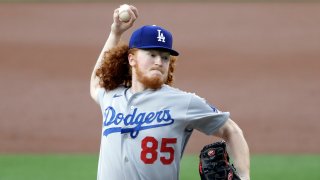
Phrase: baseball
[124,15]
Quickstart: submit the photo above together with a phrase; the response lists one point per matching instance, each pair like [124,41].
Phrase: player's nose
[158,60]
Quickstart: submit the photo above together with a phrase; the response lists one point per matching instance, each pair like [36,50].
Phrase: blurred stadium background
[257,59]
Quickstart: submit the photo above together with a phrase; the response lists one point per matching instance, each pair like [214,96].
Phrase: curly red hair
[115,69]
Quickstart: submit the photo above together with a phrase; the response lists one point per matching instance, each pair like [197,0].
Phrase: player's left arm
[237,147]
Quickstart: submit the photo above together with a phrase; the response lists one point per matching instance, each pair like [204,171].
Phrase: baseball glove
[214,163]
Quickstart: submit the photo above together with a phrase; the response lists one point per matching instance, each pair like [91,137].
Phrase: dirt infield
[259,61]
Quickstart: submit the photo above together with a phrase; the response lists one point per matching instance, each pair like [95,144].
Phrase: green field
[83,167]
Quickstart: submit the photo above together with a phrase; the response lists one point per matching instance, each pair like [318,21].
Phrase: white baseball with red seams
[124,15]
[144,134]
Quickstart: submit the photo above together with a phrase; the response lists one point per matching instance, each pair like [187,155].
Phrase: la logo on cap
[152,37]
[161,37]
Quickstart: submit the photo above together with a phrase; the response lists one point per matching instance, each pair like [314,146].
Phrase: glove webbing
[214,163]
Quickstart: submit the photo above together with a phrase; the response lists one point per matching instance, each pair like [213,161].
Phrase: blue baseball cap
[152,37]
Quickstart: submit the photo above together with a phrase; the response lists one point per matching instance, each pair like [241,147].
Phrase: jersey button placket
[126,159]
[131,102]
[126,136]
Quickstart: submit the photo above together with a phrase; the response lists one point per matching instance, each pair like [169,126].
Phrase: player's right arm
[117,29]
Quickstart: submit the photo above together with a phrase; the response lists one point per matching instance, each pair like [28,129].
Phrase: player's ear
[131,59]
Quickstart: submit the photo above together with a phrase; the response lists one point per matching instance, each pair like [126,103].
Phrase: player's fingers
[132,18]
[134,10]
[119,26]
[133,14]
[116,15]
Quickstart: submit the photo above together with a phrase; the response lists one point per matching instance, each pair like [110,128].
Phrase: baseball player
[146,122]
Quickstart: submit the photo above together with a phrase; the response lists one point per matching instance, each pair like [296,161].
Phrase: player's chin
[154,82]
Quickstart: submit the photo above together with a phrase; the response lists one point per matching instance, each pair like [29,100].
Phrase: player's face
[151,67]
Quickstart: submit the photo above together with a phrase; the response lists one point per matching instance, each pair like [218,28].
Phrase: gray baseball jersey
[144,134]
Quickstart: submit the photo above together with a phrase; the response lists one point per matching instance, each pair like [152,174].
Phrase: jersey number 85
[149,153]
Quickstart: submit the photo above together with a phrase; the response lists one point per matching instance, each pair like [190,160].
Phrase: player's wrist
[116,31]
